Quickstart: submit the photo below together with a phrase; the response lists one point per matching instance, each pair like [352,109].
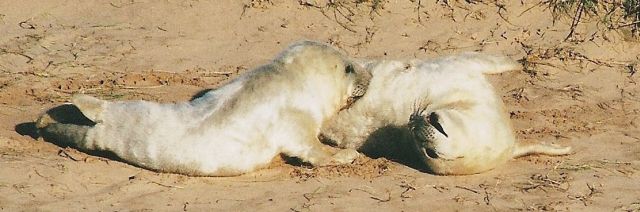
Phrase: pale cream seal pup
[444,107]
[237,128]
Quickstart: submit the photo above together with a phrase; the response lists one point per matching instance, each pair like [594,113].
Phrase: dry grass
[616,15]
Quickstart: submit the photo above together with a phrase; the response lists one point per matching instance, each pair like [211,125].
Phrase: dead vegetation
[615,15]
[556,181]
[362,167]
[555,100]
[536,56]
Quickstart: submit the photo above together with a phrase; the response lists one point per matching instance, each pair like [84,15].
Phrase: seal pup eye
[349,69]
[434,120]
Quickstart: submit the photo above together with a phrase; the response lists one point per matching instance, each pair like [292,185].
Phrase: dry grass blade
[543,182]
[611,16]
[586,198]
[632,12]
[373,195]
[576,20]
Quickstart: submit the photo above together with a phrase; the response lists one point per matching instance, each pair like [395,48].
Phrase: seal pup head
[317,54]
[451,141]
[451,144]
[433,142]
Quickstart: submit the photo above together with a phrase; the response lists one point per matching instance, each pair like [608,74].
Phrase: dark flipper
[64,125]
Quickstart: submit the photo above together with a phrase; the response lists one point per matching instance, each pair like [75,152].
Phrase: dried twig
[165,185]
[586,198]
[576,19]
[468,189]
[140,87]
[487,199]
[64,153]
[539,181]
[418,11]
[407,188]
[373,196]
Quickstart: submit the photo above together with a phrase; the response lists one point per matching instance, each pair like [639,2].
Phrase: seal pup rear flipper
[480,62]
[65,125]
[523,149]
[90,106]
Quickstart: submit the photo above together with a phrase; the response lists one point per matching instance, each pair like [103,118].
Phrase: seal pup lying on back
[237,128]
[448,110]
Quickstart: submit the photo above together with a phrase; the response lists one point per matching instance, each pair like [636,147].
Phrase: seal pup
[237,128]
[443,108]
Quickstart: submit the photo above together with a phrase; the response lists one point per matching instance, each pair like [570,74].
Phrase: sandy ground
[581,92]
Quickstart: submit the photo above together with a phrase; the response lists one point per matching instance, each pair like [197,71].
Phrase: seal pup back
[237,128]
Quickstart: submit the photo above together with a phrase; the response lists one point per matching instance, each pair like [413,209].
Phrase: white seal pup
[235,129]
[445,107]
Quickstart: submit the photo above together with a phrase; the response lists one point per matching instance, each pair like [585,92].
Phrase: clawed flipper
[321,156]
[64,124]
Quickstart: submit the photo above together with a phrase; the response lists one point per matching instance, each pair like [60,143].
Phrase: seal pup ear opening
[90,107]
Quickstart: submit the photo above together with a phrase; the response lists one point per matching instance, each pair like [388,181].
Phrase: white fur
[480,135]
[240,127]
